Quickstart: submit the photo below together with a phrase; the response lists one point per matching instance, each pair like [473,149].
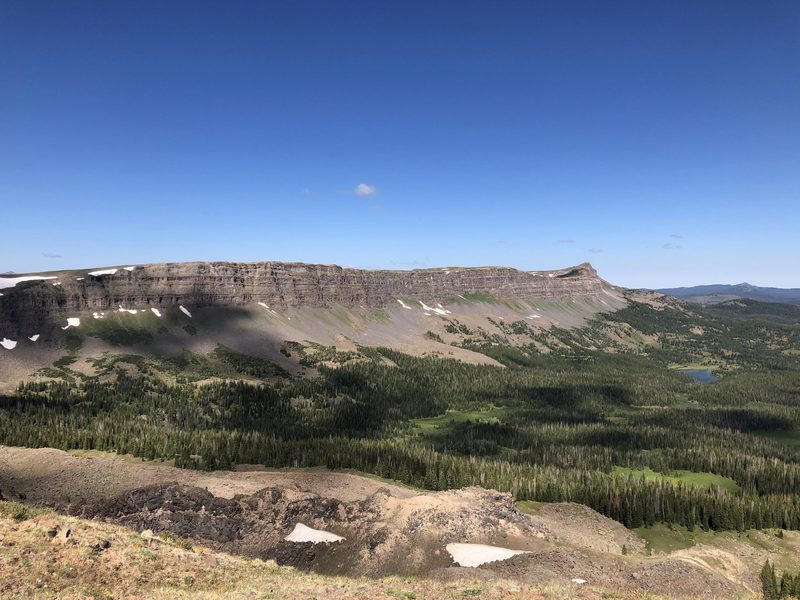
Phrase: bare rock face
[34,303]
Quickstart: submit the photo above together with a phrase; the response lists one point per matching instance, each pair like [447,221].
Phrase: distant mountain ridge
[265,309]
[32,300]
[716,293]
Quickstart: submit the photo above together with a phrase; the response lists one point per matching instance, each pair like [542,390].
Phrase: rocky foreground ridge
[33,303]
[383,530]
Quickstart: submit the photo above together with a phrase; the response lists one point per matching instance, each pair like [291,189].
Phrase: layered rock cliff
[31,304]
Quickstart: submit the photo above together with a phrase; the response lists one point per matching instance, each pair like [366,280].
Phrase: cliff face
[33,303]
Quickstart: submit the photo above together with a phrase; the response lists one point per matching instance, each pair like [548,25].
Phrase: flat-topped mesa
[281,285]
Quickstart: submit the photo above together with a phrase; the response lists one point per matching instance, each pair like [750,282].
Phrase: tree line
[561,429]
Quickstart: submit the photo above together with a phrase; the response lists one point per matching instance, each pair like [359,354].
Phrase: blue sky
[658,140]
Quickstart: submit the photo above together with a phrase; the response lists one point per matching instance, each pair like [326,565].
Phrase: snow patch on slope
[439,310]
[475,555]
[102,272]
[72,322]
[303,533]
[9,282]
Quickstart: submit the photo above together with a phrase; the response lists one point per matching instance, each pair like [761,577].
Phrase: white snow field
[9,282]
[475,555]
[303,533]
[8,344]
[102,272]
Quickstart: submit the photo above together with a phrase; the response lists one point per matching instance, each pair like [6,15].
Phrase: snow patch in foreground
[9,282]
[185,311]
[8,344]
[102,272]
[34,337]
[403,304]
[303,533]
[72,322]
[475,555]
[156,312]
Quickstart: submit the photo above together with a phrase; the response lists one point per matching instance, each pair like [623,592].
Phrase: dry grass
[45,555]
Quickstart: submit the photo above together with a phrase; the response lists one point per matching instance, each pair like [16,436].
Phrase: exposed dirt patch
[683,579]
[582,527]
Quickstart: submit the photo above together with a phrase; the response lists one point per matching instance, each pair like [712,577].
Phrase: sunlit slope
[456,323]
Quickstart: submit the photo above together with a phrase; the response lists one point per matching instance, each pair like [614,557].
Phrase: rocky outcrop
[378,535]
[31,304]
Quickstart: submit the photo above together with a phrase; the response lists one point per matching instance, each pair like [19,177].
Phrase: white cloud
[596,250]
[364,190]
[667,246]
